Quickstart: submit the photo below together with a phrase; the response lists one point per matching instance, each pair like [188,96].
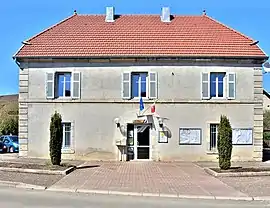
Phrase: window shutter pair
[75,87]
[126,85]
[205,85]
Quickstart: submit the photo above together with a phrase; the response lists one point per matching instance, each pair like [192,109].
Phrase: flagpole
[148,107]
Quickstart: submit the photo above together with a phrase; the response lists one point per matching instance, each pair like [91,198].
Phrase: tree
[9,118]
[56,136]
[224,143]
[9,125]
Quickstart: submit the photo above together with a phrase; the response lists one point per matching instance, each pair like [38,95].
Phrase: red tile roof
[140,36]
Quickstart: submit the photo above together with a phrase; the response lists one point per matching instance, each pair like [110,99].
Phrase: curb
[107,192]
[21,185]
[104,192]
[38,171]
[236,174]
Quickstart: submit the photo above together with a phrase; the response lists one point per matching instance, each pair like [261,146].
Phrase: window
[217,84]
[66,135]
[139,84]
[213,137]
[63,85]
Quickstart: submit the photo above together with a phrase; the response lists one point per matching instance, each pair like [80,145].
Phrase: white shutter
[72,142]
[205,85]
[231,85]
[153,85]
[126,85]
[76,85]
[50,85]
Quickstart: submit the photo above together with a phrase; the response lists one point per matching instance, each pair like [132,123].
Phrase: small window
[139,85]
[64,84]
[213,137]
[217,84]
[66,135]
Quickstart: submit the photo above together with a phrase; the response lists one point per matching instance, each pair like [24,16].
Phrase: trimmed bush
[56,136]
[224,143]
[266,119]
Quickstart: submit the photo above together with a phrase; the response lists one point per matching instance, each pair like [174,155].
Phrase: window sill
[63,98]
[138,98]
[67,151]
[218,98]
[213,99]
[212,153]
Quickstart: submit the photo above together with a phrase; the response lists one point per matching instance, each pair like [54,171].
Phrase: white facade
[181,90]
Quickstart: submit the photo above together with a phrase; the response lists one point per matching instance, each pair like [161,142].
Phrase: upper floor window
[139,84]
[63,85]
[218,85]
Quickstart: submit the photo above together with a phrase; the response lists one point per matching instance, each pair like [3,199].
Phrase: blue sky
[21,19]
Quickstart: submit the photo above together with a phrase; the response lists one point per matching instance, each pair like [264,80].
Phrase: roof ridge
[230,28]
[175,15]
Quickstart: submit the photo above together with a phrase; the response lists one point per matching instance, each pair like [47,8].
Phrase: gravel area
[253,186]
[30,178]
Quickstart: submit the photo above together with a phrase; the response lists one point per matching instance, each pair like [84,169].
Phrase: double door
[138,142]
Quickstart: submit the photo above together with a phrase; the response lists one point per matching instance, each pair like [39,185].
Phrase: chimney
[109,14]
[165,14]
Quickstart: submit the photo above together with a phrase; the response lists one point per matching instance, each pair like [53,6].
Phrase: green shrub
[9,126]
[224,143]
[9,118]
[266,135]
[56,136]
[266,119]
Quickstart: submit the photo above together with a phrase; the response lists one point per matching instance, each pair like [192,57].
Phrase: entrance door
[142,142]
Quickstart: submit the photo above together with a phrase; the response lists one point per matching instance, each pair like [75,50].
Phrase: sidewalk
[146,178]
[29,178]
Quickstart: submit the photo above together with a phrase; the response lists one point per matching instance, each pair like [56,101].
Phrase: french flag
[153,108]
[141,104]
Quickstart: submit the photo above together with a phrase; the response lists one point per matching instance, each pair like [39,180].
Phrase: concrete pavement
[13,198]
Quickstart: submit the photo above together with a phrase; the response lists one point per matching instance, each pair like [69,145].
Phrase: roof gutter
[142,57]
[17,62]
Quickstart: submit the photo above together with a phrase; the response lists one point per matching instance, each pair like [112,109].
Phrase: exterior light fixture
[160,122]
[117,122]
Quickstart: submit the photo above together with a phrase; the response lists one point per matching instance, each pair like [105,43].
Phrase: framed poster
[242,136]
[190,136]
[163,137]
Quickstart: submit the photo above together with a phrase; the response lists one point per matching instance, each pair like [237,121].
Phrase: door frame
[136,143]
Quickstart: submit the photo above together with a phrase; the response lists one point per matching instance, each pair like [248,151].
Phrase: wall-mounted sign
[242,136]
[163,137]
[190,136]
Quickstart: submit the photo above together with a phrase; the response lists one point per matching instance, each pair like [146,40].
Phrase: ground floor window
[66,135]
[213,136]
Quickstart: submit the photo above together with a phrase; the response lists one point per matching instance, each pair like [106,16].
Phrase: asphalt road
[11,198]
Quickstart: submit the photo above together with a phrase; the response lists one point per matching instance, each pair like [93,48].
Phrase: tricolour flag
[153,108]
[141,104]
